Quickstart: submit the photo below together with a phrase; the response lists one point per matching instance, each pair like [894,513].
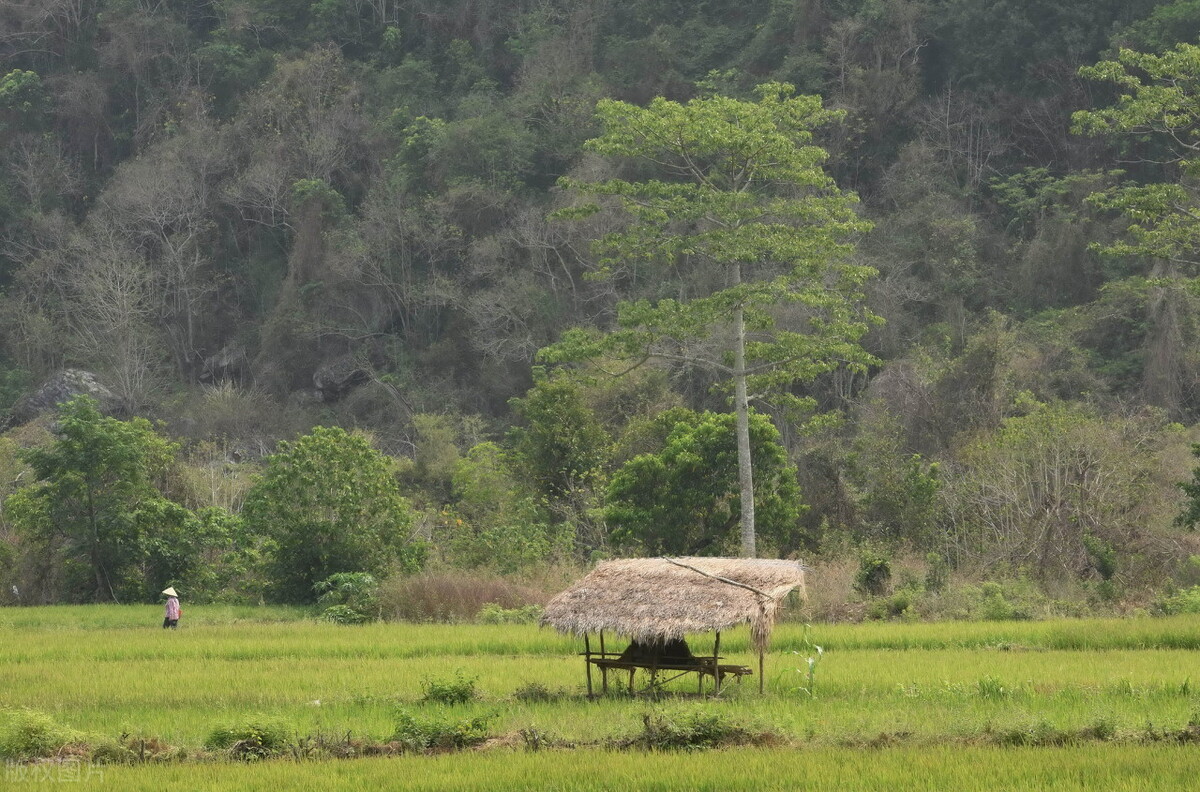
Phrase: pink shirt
[172,608]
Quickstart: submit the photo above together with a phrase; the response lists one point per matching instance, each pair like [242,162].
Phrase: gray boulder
[61,387]
[335,378]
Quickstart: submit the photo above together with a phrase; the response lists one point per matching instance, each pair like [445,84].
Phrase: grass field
[956,701]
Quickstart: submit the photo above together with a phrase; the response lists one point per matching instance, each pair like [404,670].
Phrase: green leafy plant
[874,572]
[812,654]
[29,734]
[348,597]
[736,192]
[250,740]
[536,692]
[690,730]
[458,690]
[1185,601]
[494,613]
[430,732]
[330,504]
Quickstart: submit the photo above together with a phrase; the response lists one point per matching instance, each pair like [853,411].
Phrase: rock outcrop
[61,387]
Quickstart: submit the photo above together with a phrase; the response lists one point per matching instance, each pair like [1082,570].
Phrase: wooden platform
[673,668]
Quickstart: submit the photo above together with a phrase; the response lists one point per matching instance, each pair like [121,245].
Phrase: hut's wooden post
[717,665]
[603,668]
[587,661]
[760,671]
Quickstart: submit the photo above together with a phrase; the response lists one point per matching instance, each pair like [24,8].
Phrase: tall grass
[1085,769]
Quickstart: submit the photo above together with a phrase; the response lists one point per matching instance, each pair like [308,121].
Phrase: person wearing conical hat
[173,610]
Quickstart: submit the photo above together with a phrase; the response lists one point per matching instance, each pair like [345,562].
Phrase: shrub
[459,690]
[355,521]
[344,614]
[900,604]
[690,730]
[874,572]
[495,614]
[536,692]
[1011,600]
[450,596]
[348,597]
[29,734]
[937,574]
[1186,601]
[433,732]
[254,739]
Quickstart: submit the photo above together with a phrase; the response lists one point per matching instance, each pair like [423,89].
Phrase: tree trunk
[742,407]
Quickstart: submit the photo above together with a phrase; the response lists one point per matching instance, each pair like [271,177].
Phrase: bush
[348,597]
[874,572]
[450,596]
[344,614]
[254,739]
[431,732]
[1185,601]
[900,604]
[690,730]
[938,573]
[28,734]
[537,693]
[495,614]
[459,690]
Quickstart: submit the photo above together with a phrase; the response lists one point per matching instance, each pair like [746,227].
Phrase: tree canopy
[99,506]
[329,503]
[734,195]
[683,498]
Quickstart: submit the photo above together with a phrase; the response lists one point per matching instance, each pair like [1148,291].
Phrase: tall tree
[1156,118]
[97,508]
[734,196]
[330,503]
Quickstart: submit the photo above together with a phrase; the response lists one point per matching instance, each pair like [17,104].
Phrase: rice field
[951,705]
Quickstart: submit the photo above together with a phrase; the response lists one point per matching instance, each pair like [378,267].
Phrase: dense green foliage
[329,504]
[97,513]
[253,219]
[737,206]
[683,498]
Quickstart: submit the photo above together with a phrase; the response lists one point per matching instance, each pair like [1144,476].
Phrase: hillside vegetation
[381,287]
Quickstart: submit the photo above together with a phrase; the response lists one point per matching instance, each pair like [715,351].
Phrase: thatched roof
[664,598]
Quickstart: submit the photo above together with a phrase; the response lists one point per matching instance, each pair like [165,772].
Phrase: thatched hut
[654,601]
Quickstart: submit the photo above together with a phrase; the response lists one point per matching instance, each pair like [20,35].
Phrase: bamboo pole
[587,661]
[603,668]
[717,665]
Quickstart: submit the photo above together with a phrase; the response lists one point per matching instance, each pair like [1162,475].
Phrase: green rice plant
[29,734]
[426,732]
[1094,767]
[990,688]
[459,690]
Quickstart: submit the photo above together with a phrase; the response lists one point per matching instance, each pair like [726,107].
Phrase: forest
[366,289]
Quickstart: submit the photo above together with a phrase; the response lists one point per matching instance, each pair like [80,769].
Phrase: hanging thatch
[657,599]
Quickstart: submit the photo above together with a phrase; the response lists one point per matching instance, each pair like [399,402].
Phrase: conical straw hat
[171,592]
